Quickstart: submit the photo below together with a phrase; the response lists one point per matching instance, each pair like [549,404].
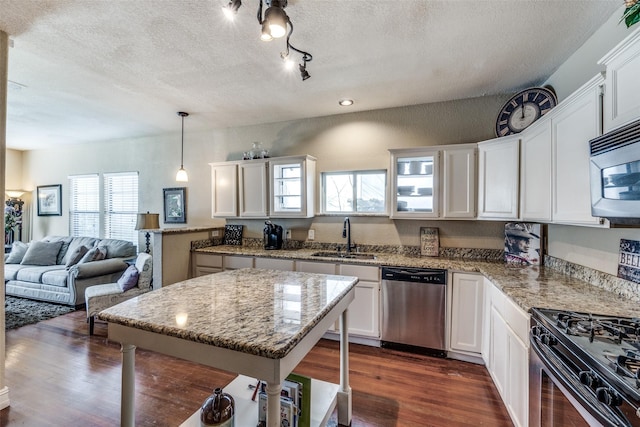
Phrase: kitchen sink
[343,255]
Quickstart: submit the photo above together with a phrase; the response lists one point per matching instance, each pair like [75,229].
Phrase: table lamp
[148,221]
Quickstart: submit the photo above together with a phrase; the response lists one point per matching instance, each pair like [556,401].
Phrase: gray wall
[586,246]
[341,142]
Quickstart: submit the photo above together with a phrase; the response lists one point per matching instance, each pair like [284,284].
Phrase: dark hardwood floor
[60,376]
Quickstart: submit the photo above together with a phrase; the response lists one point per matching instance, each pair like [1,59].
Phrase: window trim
[102,207]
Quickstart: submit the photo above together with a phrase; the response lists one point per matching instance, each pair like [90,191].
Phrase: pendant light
[182,176]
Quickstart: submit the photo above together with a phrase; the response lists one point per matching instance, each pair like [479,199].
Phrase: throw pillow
[18,249]
[41,253]
[76,255]
[129,278]
[93,254]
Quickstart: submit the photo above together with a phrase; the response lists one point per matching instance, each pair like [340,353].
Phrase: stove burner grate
[605,328]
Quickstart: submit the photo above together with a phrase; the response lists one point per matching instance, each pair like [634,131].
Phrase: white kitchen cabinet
[252,189]
[224,189]
[415,183]
[292,186]
[575,121]
[239,189]
[316,267]
[622,85]
[498,178]
[467,304]
[234,262]
[275,264]
[203,263]
[535,171]
[433,182]
[280,187]
[459,181]
[507,345]
[364,311]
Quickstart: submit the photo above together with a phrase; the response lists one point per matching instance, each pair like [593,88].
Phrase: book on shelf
[295,402]
[287,410]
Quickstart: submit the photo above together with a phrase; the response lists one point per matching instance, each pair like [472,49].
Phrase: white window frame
[354,190]
[109,208]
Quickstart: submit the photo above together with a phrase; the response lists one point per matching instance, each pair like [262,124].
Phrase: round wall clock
[523,109]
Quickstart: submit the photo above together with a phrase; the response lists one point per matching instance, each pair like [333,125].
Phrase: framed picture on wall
[175,205]
[49,200]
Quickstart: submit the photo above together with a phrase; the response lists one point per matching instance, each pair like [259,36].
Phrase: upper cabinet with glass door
[434,182]
[414,179]
[292,183]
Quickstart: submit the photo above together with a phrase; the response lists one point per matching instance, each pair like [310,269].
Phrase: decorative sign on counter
[429,241]
[629,264]
[522,243]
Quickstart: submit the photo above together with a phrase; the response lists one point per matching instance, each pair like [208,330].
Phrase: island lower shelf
[323,402]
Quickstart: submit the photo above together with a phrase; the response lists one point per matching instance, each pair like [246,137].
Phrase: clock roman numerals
[523,109]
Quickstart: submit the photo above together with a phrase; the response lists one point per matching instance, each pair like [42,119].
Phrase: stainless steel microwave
[615,175]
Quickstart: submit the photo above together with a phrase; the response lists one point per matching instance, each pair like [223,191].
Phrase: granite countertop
[261,312]
[528,286]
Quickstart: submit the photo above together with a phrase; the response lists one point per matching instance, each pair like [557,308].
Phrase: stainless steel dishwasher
[413,309]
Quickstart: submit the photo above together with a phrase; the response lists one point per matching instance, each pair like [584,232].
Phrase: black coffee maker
[272,236]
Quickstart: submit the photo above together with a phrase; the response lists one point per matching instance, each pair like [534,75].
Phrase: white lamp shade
[182,176]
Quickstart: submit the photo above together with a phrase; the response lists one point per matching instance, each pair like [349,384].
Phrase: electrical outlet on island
[312,234]
[287,234]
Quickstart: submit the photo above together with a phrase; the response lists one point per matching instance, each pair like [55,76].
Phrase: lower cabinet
[234,262]
[202,263]
[364,311]
[466,314]
[506,352]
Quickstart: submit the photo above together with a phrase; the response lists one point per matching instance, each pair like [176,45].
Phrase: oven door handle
[572,387]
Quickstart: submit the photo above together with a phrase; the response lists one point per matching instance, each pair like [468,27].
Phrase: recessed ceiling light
[345,102]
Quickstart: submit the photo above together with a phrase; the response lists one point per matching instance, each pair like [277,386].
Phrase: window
[84,208]
[112,216]
[354,191]
[120,206]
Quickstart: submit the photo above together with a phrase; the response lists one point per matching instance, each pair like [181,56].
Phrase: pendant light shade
[182,176]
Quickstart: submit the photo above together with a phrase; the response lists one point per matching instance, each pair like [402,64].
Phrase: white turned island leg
[273,404]
[128,398]
[344,394]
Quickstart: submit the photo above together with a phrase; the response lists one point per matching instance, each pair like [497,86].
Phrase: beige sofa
[48,274]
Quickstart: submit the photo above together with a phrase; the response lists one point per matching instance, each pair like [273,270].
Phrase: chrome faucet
[346,233]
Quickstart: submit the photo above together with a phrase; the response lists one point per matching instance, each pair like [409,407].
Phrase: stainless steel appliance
[584,370]
[413,309]
[272,236]
[615,175]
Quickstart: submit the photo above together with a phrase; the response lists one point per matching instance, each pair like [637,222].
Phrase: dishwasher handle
[433,276]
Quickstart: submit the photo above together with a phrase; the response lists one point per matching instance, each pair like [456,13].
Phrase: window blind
[121,206]
[84,206]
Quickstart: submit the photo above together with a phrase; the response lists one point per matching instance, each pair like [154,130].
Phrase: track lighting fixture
[274,24]
[182,176]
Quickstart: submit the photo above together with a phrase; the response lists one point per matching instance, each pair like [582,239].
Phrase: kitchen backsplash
[465,253]
[624,288]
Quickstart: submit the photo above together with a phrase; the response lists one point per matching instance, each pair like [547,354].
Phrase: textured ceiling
[96,70]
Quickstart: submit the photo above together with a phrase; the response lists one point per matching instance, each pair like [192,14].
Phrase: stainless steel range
[585,369]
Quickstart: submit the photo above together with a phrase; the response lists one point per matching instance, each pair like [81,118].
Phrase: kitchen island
[259,323]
